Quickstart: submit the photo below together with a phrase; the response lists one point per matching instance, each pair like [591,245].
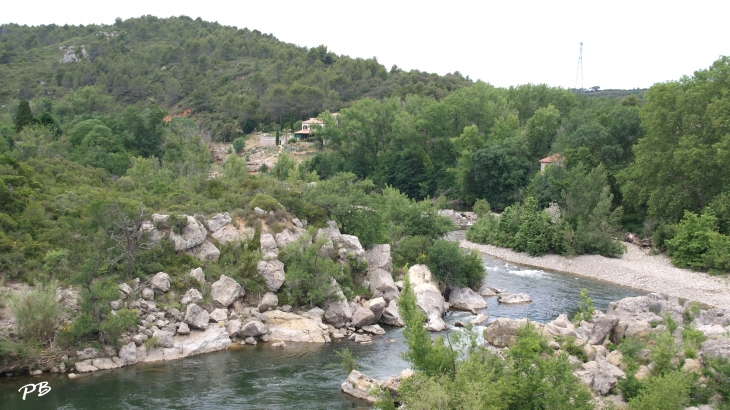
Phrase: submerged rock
[517,298]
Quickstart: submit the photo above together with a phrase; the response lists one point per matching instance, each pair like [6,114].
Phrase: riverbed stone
[85,366]
[253,328]
[360,386]
[503,331]
[225,290]
[285,326]
[88,353]
[183,329]
[374,329]
[218,315]
[391,316]
[272,272]
[196,317]
[337,311]
[429,299]
[377,305]
[480,320]
[435,323]
[269,301]
[362,317]
[466,299]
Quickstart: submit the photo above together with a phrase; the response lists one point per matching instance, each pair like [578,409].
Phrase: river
[300,376]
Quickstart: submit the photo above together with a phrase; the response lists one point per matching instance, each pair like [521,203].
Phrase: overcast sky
[626,43]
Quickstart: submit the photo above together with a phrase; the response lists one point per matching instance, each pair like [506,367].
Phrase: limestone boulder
[601,375]
[285,326]
[466,299]
[561,326]
[227,233]
[337,311]
[196,317]
[225,290]
[480,320]
[206,251]
[378,257]
[212,339]
[128,354]
[286,237]
[392,383]
[191,296]
[190,236]
[183,329]
[377,305]
[435,323]
[125,289]
[273,273]
[391,316]
[418,275]
[198,274]
[253,328]
[268,244]
[374,329]
[380,282]
[269,301]
[362,317]
[217,222]
[350,248]
[719,347]
[503,331]
[160,283]
[85,366]
[602,326]
[360,386]
[233,327]
[219,315]
[164,339]
[429,299]
[148,294]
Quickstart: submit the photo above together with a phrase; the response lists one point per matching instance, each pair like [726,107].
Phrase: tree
[24,116]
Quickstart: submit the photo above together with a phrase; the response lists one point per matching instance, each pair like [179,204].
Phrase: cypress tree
[24,117]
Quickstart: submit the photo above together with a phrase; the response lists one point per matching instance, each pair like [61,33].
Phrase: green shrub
[265,202]
[481,207]
[114,325]
[692,337]
[454,266]
[663,351]
[36,313]
[411,250]
[698,245]
[239,144]
[667,392]
[629,386]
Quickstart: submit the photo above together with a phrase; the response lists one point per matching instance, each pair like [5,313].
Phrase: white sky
[626,43]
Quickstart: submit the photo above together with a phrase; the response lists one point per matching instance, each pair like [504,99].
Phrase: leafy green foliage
[585,308]
[310,271]
[265,202]
[670,391]
[114,325]
[481,207]
[698,245]
[454,266]
[347,361]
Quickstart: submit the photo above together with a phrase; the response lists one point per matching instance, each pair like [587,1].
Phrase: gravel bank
[636,269]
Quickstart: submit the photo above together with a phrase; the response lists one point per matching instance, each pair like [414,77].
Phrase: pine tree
[24,117]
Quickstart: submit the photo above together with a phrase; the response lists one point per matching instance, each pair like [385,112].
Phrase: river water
[300,376]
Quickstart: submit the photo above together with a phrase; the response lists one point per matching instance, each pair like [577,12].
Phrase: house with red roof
[553,159]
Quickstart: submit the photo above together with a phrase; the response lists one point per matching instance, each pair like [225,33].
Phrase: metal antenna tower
[580,67]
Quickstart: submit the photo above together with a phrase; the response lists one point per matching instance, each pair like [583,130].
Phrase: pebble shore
[636,268]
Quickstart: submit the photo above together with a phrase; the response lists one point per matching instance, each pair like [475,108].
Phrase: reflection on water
[303,376]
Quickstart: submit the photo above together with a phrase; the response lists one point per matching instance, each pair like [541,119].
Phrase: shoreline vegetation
[635,269]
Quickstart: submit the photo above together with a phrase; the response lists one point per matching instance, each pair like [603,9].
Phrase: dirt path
[636,268]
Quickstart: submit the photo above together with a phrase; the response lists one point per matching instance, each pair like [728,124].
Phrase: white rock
[515,299]
[205,252]
[191,296]
[191,235]
[225,290]
[269,301]
[292,327]
[466,299]
[217,222]
[198,274]
[273,273]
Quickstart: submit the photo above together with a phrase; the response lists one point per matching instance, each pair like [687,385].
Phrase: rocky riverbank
[636,268]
